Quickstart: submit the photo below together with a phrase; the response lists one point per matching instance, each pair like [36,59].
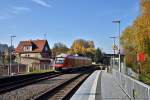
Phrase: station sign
[115,47]
[141,57]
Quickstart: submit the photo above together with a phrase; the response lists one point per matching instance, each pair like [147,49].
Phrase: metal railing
[136,90]
[15,68]
[23,69]
[41,67]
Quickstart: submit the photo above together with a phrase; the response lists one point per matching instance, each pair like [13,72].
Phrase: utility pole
[11,38]
[118,22]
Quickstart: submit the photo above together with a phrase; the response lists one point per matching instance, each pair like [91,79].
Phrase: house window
[27,48]
[27,55]
[46,48]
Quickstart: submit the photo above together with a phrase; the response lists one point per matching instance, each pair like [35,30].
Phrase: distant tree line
[5,55]
[59,48]
[81,47]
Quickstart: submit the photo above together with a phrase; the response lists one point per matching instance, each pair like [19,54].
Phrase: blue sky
[65,20]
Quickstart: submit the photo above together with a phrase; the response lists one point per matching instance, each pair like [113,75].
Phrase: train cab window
[59,60]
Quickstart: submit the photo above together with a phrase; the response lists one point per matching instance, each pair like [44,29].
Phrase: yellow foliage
[136,38]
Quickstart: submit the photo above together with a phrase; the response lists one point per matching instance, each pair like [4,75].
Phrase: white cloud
[13,11]
[42,3]
[19,10]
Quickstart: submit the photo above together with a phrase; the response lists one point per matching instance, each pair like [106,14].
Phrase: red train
[64,61]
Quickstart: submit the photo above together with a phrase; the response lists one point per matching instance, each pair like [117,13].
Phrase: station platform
[100,85]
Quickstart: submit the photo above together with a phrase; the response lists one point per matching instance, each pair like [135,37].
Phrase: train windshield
[59,60]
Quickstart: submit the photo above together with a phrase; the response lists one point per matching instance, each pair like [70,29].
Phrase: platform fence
[15,68]
[135,89]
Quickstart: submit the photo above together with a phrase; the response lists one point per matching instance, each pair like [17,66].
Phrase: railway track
[51,87]
[24,81]
[65,90]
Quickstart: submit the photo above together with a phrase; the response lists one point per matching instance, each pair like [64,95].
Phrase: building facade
[33,53]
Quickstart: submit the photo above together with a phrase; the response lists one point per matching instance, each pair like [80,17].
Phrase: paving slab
[100,86]
[110,90]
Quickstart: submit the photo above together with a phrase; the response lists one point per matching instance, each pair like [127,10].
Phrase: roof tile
[37,45]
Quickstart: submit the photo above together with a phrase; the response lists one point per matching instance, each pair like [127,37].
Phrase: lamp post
[114,47]
[11,38]
[118,22]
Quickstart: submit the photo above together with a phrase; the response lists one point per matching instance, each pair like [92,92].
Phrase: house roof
[37,46]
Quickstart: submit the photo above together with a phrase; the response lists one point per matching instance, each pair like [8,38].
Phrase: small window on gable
[27,48]
[46,48]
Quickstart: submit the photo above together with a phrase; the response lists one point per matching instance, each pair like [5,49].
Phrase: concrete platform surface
[100,86]
[87,90]
[110,90]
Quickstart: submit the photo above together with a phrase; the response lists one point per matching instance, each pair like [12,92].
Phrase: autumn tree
[59,48]
[129,46]
[90,52]
[142,24]
[136,38]
[98,56]
[83,47]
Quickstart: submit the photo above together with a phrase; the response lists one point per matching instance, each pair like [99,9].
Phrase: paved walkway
[110,90]
[100,86]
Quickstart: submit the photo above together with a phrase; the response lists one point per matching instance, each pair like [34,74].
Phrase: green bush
[145,78]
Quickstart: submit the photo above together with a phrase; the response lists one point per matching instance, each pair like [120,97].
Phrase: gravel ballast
[30,91]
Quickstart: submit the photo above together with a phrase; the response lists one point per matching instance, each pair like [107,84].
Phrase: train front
[59,63]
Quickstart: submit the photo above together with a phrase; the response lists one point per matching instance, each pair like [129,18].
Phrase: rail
[64,90]
[20,81]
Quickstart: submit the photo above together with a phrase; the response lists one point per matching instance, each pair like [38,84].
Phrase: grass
[41,71]
[145,78]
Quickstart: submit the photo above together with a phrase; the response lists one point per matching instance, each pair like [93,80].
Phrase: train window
[59,60]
